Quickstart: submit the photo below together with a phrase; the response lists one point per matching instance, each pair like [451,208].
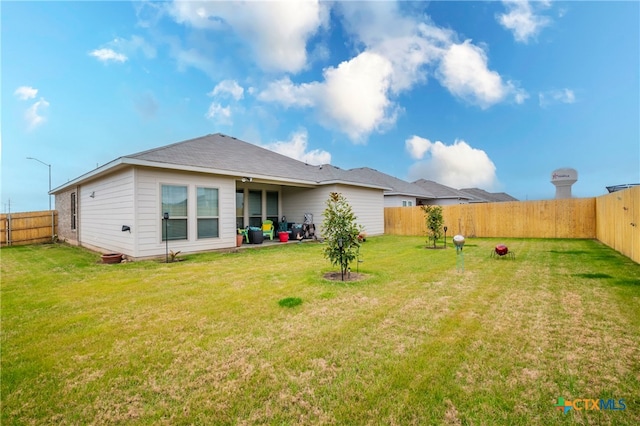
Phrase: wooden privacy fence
[613,219]
[618,221]
[28,228]
[570,218]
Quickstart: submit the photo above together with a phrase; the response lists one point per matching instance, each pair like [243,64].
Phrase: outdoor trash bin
[256,236]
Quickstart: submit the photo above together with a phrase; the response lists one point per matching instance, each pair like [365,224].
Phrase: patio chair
[283,225]
[244,233]
[267,229]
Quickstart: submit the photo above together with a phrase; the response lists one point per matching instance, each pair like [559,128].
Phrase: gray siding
[367,205]
[447,202]
[396,200]
[104,205]
[149,214]
[298,201]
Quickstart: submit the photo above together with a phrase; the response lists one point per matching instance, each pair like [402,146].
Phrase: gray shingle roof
[480,195]
[441,191]
[396,186]
[226,153]
[221,152]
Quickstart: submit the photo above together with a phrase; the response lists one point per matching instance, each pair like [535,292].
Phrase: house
[481,196]
[400,193]
[210,186]
[443,195]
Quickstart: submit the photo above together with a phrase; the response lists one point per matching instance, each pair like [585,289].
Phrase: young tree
[340,232]
[434,221]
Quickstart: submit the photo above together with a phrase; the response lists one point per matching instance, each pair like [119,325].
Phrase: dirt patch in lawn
[351,276]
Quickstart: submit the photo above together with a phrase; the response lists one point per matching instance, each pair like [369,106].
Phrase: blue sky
[494,95]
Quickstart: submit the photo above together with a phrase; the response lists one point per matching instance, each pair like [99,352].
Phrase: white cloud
[522,19]
[219,114]
[149,12]
[296,147]
[408,43]
[33,115]
[106,55]
[398,50]
[228,88]
[458,165]
[352,98]
[192,57]
[277,32]
[564,96]
[464,72]
[25,93]
[121,49]
[131,46]
[355,99]
[285,92]
[417,147]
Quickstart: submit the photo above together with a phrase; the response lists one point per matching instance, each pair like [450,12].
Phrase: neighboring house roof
[441,191]
[615,188]
[226,155]
[481,196]
[396,186]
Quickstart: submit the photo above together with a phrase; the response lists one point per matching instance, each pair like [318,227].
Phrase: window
[255,208]
[240,208]
[272,206]
[174,202]
[407,203]
[73,211]
[207,212]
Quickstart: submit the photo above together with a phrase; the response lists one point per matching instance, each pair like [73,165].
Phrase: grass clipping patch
[290,302]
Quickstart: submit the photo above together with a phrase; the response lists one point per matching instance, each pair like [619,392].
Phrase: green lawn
[210,340]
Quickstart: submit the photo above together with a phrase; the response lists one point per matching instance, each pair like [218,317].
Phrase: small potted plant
[111,258]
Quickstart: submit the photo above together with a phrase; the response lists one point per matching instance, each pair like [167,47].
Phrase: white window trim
[184,185]
[206,217]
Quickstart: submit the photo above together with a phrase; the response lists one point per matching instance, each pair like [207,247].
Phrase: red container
[284,236]
[501,250]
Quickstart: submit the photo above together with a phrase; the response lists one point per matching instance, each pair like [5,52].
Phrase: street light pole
[49,166]
[53,236]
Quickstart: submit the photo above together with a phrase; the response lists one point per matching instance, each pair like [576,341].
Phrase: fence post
[9,229]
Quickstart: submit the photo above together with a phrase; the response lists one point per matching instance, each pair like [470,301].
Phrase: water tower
[563,179]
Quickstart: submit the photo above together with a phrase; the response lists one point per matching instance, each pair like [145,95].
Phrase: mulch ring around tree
[351,277]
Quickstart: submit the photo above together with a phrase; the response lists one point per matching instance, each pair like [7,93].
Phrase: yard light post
[445,236]
[49,193]
[340,245]
[165,217]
